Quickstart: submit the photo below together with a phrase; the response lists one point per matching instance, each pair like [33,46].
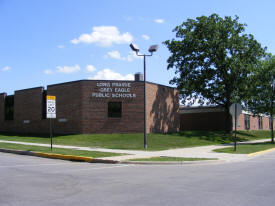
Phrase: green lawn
[57,150]
[247,148]
[135,141]
[166,159]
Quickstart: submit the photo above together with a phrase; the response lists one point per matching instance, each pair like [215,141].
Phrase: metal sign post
[235,139]
[51,114]
[51,133]
[235,110]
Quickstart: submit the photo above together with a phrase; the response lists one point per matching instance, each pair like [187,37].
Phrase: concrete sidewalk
[192,152]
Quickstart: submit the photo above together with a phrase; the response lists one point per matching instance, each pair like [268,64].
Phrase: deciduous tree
[213,59]
[261,90]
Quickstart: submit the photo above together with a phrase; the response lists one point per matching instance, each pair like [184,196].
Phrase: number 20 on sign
[51,107]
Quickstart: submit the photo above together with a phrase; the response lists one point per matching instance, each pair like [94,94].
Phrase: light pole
[271,110]
[152,49]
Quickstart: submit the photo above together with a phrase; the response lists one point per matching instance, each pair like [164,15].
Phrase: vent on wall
[138,77]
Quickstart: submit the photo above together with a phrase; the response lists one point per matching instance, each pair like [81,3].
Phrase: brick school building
[92,106]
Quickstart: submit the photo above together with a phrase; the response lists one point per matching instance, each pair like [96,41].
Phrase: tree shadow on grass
[243,133]
[258,144]
[217,136]
[11,134]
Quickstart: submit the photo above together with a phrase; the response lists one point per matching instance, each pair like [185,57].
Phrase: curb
[171,162]
[63,157]
[95,160]
[260,152]
[20,152]
[58,156]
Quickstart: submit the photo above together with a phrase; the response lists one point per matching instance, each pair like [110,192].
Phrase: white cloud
[48,71]
[159,21]
[114,55]
[60,46]
[146,37]
[104,36]
[68,69]
[90,68]
[108,74]
[6,68]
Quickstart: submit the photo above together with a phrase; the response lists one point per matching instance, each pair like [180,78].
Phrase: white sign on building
[114,90]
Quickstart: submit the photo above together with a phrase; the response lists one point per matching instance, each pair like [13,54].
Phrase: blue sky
[45,42]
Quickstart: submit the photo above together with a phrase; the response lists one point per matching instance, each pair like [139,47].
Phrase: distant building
[213,118]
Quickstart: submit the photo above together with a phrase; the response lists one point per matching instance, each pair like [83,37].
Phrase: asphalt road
[33,181]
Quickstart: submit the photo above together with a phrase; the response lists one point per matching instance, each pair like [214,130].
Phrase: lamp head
[153,48]
[134,48]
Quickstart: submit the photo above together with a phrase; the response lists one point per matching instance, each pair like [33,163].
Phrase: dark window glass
[44,102]
[9,107]
[247,121]
[114,109]
[260,122]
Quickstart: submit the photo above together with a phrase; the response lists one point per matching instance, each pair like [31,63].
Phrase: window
[44,97]
[114,109]
[260,122]
[246,121]
[9,107]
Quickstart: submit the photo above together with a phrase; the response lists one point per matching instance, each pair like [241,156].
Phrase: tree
[213,59]
[262,91]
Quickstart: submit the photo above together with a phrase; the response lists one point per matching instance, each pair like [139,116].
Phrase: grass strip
[83,153]
[247,148]
[168,159]
[135,141]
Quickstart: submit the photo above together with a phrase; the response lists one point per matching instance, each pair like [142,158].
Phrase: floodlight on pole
[151,49]
[134,48]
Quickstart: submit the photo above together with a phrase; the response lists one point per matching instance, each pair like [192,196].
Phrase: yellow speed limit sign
[51,107]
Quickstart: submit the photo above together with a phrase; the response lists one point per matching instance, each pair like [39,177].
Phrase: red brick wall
[95,110]
[68,106]
[216,121]
[28,107]
[27,112]
[266,123]
[80,112]
[254,124]
[162,108]
[241,125]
